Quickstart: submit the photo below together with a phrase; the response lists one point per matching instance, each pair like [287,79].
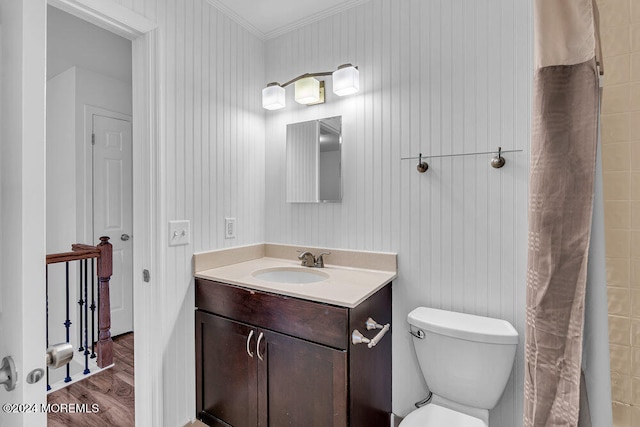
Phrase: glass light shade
[307,90]
[346,81]
[273,97]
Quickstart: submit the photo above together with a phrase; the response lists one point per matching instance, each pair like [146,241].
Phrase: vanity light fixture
[273,97]
[309,90]
[346,80]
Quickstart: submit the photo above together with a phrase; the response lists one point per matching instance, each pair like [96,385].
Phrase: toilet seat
[433,415]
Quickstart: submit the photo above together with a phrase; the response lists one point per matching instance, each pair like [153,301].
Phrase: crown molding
[285,28]
[313,18]
[237,18]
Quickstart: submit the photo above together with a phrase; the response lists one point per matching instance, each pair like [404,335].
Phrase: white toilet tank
[464,358]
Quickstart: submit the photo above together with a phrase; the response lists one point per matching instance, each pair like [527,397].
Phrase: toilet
[466,361]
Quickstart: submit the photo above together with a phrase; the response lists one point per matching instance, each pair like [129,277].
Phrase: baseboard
[195,423]
[395,420]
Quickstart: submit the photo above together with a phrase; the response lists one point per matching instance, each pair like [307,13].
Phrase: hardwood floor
[112,390]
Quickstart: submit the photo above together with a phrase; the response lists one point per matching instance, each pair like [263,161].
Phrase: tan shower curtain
[563,153]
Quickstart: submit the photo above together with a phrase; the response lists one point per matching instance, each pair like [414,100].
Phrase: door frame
[147,212]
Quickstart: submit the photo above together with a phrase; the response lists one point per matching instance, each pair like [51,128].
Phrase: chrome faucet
[309,260]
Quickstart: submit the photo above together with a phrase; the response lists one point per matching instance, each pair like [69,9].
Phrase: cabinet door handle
[258,346]
[248,344]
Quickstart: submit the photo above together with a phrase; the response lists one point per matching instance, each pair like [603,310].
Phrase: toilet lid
[433,415]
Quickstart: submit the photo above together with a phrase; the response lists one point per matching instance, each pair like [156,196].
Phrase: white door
[22,206]
[112,211]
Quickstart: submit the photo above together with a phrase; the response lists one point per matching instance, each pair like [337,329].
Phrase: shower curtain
[563,155]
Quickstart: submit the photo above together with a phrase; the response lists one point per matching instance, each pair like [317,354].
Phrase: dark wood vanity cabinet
[270,360]
[230,379]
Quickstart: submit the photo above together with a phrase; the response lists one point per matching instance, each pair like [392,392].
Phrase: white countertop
[345,286]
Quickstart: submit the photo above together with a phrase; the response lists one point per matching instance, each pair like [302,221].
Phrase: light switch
[179,233]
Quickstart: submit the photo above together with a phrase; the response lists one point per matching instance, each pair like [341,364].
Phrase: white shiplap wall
[437,77]
[212,137]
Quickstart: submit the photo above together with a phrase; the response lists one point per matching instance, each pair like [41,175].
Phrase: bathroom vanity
[265,358]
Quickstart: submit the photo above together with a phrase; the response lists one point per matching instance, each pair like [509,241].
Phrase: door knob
[8,373]
[125,237]
[59,355]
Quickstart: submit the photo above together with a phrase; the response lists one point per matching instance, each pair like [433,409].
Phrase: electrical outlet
[229,228]
[179,233]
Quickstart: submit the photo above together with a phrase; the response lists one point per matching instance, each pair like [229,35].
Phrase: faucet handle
[320,259]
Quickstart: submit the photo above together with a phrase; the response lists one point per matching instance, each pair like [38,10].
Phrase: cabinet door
[226,384]
[301,383]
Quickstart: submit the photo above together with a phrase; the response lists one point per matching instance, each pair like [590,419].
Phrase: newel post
[105,343]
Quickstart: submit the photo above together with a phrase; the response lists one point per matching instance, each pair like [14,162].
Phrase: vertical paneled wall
[437,77]
[214,141]
[212,138]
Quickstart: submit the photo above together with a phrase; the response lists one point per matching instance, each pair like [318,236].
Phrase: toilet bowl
[466,361]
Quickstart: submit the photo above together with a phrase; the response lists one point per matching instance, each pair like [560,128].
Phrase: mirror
[314,161]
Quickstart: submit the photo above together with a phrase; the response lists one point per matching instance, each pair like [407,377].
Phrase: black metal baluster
[86,320]
[67,323]
[80,303]
[98,307]
[47,328]
[93,310]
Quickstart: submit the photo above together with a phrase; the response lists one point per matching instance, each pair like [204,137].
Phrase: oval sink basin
[290,275]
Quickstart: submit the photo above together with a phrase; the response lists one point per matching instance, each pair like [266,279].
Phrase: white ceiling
[270,18]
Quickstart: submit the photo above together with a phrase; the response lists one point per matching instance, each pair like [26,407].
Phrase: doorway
[89,75]
[23,202]
[89,155]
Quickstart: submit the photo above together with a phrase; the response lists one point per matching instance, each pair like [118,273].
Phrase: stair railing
[88,257]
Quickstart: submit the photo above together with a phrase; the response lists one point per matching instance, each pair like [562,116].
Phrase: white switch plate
[229,228]
[179,233]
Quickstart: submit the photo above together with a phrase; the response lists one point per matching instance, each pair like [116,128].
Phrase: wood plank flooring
[112,390]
